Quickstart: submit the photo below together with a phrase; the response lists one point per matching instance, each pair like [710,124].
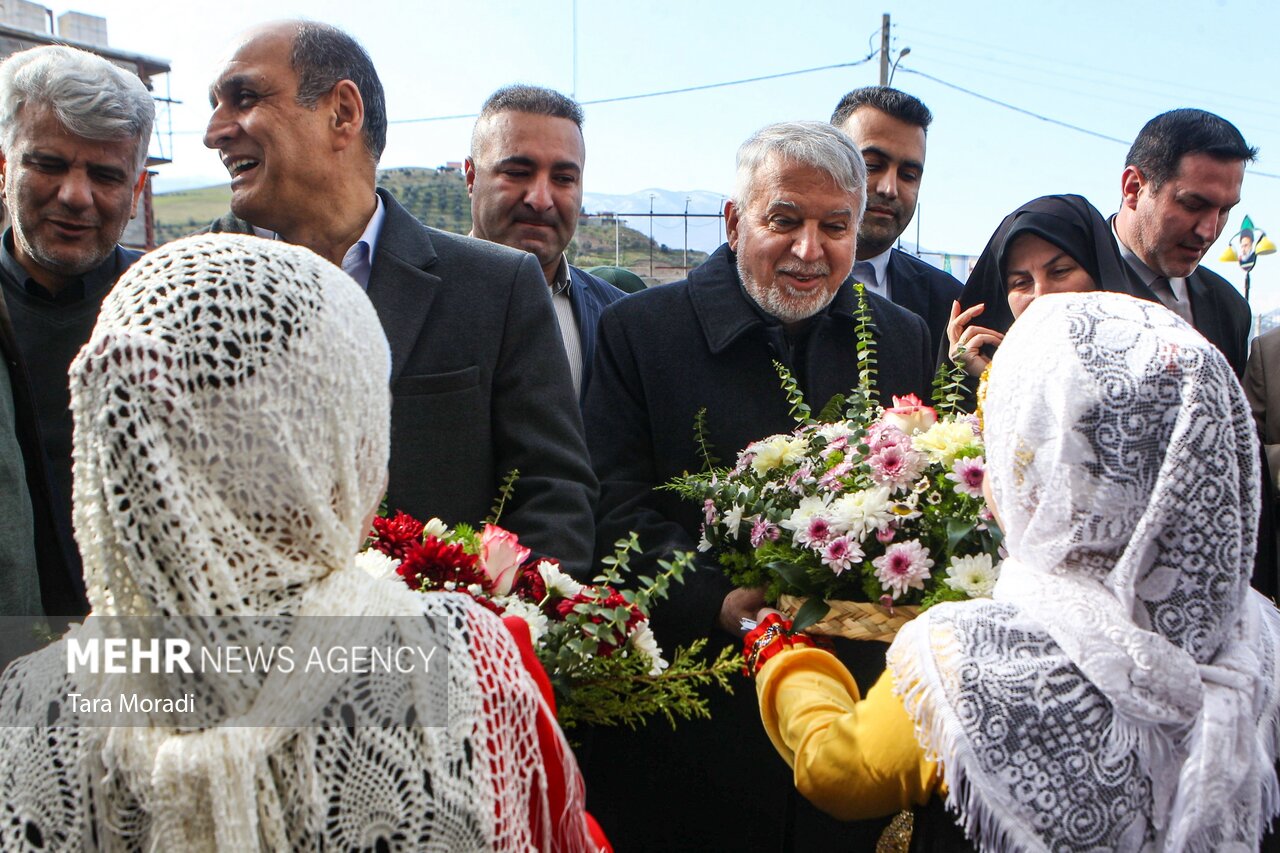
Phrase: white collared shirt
[358,260]
[882,286]
[569,336]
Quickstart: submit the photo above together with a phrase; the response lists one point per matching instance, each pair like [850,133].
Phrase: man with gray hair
[778,290]
[524,176]
[74,132]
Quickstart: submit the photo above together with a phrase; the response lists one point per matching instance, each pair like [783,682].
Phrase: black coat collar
[725,311]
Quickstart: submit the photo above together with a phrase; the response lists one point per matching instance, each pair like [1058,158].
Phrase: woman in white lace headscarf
[1121,690]
[231,442]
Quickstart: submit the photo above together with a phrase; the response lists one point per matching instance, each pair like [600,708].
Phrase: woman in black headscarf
[1052,244]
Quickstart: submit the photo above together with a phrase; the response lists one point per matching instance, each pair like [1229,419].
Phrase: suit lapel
[908,291]
[1204,309]
[400,287]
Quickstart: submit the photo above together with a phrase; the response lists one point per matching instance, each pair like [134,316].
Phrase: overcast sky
[1105,67]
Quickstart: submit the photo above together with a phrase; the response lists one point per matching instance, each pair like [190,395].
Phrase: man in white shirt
[889,127]
[480,383]
[524,176]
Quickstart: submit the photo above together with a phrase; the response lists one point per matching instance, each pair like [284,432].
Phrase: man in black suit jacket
[889,128]
[479,380]
[777,291]
[524,176]
[1181,178]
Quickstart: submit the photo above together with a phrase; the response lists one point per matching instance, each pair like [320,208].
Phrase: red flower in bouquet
[530,585]
[603,598]
[432,563]
[396,535]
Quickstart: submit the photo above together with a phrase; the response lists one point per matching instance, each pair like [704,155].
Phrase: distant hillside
[439,199]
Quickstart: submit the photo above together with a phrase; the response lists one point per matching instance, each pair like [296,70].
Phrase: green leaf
[793,574]
[505,491]
[709,460]
[833,410]
[811,612]
[957,530]
[799,410]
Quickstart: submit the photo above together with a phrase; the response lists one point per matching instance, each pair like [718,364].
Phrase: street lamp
[903,53]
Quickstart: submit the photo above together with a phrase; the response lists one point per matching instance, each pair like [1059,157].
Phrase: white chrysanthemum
[861,512]
[435,527]
[643,640]
[377,564]
[733,520]
[535,618]
[974,576]
[804,513]
[558,583]
[777,451]
[945,440]
[839,429]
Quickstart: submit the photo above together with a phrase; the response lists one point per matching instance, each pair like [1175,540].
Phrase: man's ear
[731,224]
[469,170]
[1131,183]
[348,114]
[143,175]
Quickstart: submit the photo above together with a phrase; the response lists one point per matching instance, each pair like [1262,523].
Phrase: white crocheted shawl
[1121,691]
[231,441]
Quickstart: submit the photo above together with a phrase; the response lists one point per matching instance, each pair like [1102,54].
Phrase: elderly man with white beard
[778,290]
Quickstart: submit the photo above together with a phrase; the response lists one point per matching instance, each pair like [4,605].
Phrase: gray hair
[812,143]
[322,57]
[523,98]
[91,97]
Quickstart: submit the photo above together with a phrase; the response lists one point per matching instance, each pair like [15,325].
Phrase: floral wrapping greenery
[857,503]
[593,640]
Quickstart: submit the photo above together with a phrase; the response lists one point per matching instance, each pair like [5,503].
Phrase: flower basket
[855,620]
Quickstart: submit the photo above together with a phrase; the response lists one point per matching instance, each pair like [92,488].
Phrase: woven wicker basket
[855,620]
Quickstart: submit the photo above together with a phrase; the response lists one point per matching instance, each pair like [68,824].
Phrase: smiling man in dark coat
[778,290]
[479,379]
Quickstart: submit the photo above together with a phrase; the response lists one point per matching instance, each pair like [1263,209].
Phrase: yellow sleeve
[852,759]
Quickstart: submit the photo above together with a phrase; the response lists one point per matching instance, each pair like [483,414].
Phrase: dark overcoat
[663,355]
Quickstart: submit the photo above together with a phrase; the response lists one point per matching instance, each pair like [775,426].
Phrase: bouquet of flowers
[858,504]
[593,640]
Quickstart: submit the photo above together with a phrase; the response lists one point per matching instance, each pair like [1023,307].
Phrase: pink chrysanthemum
[836,445]
[896,465]
[831,480]
[818,533]
[904,566]
[763,529]
[883,435]
[968,474]
[841,553]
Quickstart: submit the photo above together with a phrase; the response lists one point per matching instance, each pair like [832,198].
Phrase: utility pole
[686,240]
[884,49]
[650,235]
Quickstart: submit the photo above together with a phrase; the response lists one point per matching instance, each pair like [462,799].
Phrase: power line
[1036,115]
[1009,106]
[680,91]
[637,97]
